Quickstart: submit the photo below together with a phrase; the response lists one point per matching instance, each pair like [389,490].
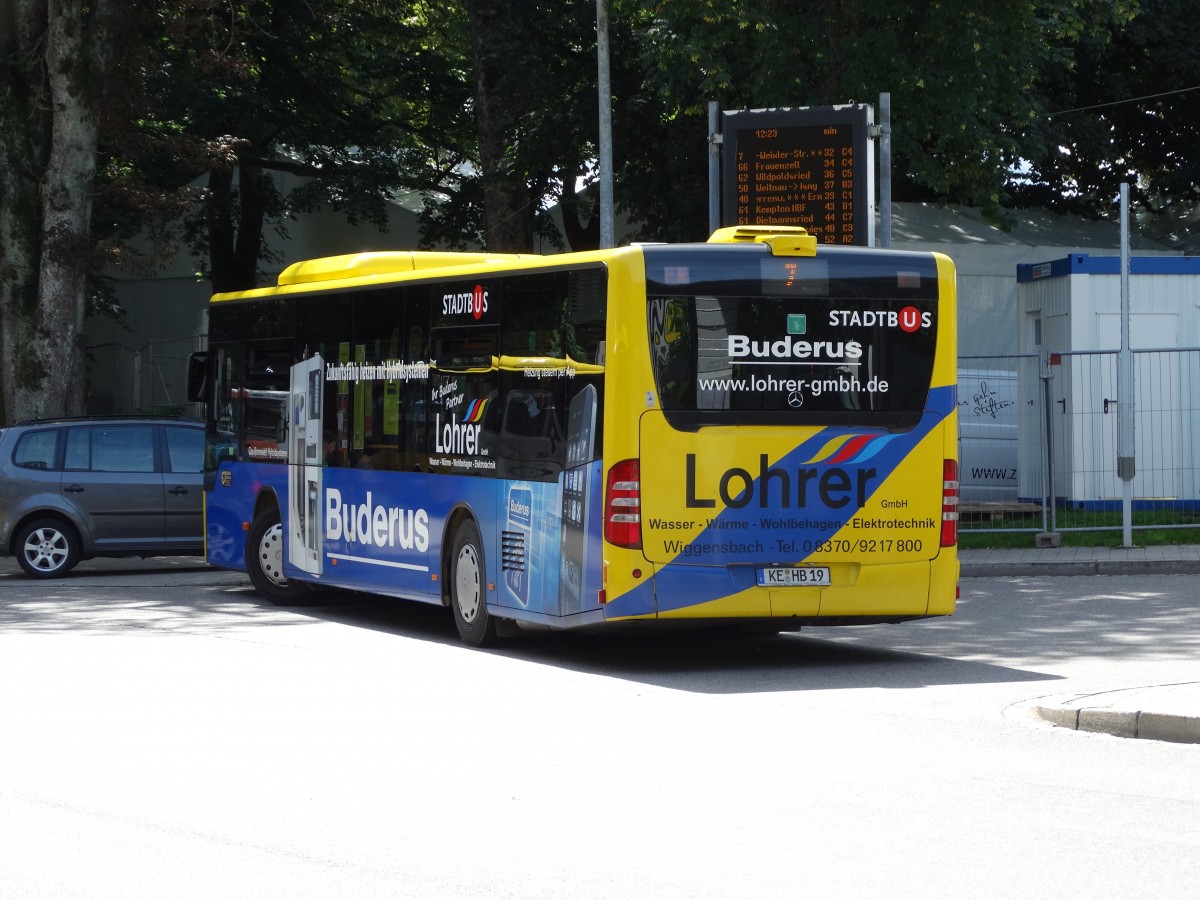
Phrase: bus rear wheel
[264,562]
[468,593]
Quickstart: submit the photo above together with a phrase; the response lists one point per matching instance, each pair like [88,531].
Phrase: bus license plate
[788,576]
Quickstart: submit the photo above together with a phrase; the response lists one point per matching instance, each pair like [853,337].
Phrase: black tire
[264,563]
[468,588]
[47,548]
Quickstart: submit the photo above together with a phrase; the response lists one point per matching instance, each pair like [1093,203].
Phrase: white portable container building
[1070,316]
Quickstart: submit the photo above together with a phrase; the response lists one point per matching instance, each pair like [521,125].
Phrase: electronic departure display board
[807,166]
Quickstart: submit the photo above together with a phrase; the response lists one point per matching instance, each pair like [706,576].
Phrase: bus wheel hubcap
[270,555]
[466,583]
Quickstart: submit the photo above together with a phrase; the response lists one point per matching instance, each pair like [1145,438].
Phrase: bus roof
[358,265]
[353,270]
[356,270]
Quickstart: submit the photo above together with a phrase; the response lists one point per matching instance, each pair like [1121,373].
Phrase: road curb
[1145,725]
[1122,713]
[969,569]
[1148,567]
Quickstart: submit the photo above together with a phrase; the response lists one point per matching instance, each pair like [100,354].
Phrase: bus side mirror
[197,377]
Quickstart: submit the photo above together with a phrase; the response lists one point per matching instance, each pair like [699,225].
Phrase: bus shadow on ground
[786,662]
[703,661]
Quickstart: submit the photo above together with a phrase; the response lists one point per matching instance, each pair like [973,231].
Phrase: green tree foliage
[338,92]
[1122,104]
[533,108]
[963,76]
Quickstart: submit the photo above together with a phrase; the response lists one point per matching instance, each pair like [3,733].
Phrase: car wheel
[47,548]
[264,562]
[468,595]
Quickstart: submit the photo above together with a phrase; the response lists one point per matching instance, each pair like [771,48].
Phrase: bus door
[304,466]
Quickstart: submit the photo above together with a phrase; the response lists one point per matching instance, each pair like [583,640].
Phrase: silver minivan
[73,489]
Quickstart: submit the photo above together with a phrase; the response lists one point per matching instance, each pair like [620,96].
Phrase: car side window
[79,450]
[124,448]
[185,449]
[37,450]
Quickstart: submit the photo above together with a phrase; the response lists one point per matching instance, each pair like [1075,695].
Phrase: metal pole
[714,166]
[604,87]
[1125,403]
[885,170]
[1048,405]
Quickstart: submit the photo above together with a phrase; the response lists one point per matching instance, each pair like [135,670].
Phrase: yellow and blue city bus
[749,431]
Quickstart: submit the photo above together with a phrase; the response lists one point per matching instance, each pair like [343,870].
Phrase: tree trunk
[581,236]
[19,240]
[508,220]
[45,227]
[218,214]
[23,128]
[235,226]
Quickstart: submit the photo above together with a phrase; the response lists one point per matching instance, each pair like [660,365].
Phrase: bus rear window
[792,359]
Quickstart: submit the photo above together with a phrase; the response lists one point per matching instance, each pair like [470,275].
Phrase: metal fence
[1038,441]
[150,379]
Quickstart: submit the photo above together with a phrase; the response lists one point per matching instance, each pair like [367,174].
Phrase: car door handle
[74,489]
[178,491]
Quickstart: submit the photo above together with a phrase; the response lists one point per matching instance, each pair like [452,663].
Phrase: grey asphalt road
[166,733]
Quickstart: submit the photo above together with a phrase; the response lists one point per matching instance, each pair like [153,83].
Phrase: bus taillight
[949,502]
[623,505]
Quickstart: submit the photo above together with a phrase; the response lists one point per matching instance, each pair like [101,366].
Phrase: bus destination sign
[806,166]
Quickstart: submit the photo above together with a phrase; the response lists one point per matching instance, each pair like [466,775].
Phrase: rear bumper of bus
[860,594]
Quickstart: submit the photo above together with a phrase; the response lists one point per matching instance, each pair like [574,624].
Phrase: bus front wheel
[264,562]
[468,594]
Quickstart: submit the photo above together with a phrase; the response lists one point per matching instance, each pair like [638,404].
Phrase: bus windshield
[792,341]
